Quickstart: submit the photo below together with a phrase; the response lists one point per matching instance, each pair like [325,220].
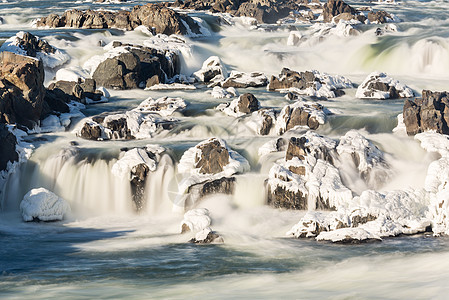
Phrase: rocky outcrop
[307,179]
[162,19]
[431,112]
[212,69]
[311,83]
[8,143]
[263,11]
[21,89]
[82,91]
[197,221]
[208,168]
[134,66]
[381,86]
[301,113]
[334,8]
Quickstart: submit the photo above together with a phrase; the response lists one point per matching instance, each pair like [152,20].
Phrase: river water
[105,250]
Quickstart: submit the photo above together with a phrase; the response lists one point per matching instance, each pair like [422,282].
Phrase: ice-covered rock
[211,68]
[301,113]
[381,86]
[367,158]
[372,215]
[165,106]
[245,104]
[244,80]
[311,83]
[262,121]
[24,43]
[198,221]
[219,93]
[306,178]
[42,205]
[208,168]
[271,146]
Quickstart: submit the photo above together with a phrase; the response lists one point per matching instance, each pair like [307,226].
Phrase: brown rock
[213,157]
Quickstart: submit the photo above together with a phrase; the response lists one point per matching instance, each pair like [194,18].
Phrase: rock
[134,165]
[211,68]
[262,121]
[129,66]
[195,220]
[335,7]
[25,43]
[301,113]
[381,86]
[206,236]
[162,19]
[165,106]
[214,156]
[7,147]
[245,80]
[431,112]
[379,17]
[42,205]
[245,104]
[208,168]
[311,83]
[307,179]
[91,131]
[79,91]
[21,89]
[262,13]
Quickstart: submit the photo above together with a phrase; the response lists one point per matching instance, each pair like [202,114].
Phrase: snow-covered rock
[301,113]
[219,93]
[198,221]
[306,178]
[212,67]
[262,121]
[381,86]
[244,80]
[42,205]
[165,106]
[208,168]
[24,43]
[245,104]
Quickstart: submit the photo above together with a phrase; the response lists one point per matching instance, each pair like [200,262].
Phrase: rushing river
[105,250]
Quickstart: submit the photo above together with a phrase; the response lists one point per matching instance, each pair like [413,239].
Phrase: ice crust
[43,205]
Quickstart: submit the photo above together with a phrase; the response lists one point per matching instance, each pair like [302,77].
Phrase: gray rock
[7,147]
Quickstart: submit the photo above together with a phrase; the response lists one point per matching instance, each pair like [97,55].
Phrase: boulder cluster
[162,19]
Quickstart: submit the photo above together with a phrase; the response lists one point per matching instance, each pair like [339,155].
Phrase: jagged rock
[380,86]
[263,13]
[224,185]
[68,91]
[379,17]
[335,7]
[21,89]
[7,147]
[214,156]
[245,104]
[91,131]
[301,113]
[288,78]
[162,19]
[431,112]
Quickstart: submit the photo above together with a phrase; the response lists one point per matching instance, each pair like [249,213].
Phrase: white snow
[44,205]
[219,93]
[170,86]
[232,108]
[196,220]
[364,92]
[256,121]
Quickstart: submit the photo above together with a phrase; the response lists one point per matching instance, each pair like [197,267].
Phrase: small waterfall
[85,180]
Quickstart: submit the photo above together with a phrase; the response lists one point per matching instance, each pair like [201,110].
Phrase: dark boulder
[91,131]
[431,112]
[31,44]
[248,103]
[288,78]
[379,17]
[120,72]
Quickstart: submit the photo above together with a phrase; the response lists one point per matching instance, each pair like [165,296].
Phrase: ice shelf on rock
[165,106]
[50,60]
[381,86]
[43,205]
[212,67]
[129,160]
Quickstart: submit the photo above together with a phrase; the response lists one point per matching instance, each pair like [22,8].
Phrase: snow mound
[43,205]
[381,86]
